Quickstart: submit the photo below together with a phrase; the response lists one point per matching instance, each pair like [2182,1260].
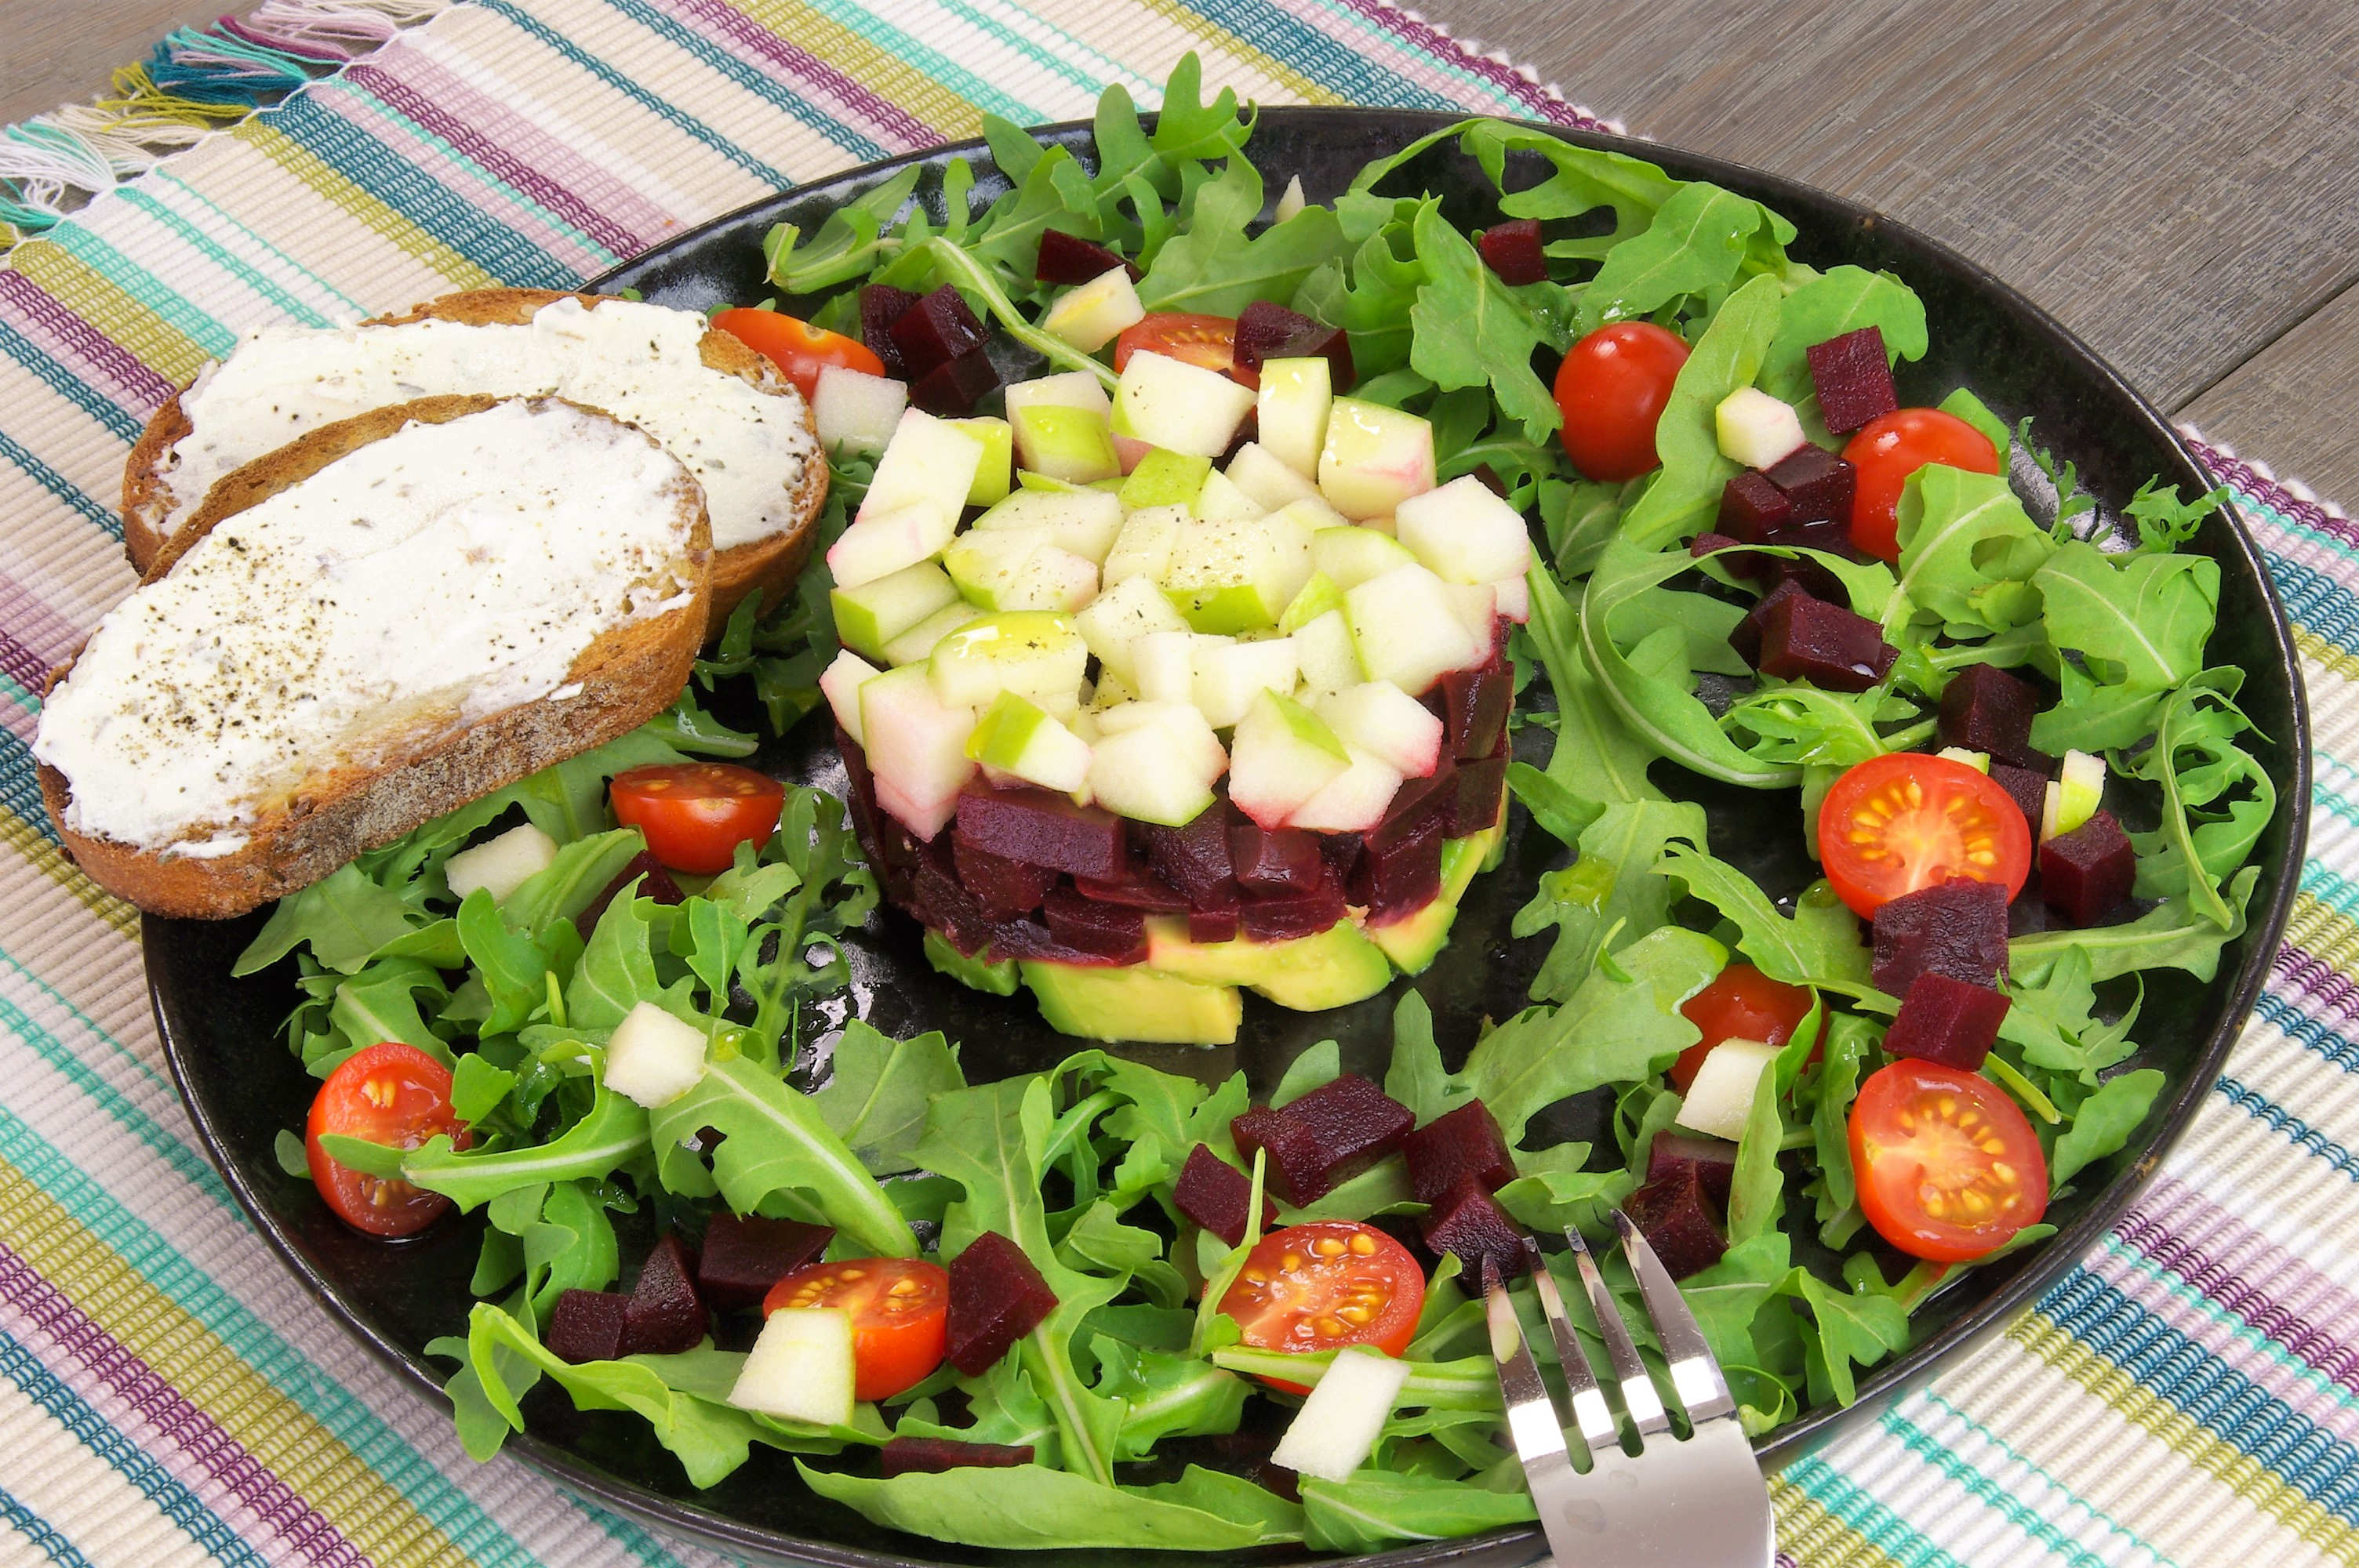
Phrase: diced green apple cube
[1165,666]
[1229,675]
[1239,573]
[653,1058]
[1052,578]
[856,412]
[1037,655]
[995,475]
[1406,629]
[2080,789]
[1464,532]
[927,461]
[1084,522]
[1515,598]
[501,864]
[1351,555]
[983,562]
[1269,482]
[1477,607]
[916,645]
[1142,547]
[1720,1098]
[1163,479]
[1119,617]
[1355,800]
[1978,761]
[1161,767]
[1282,755]
[1756,429]
[1324,652]
[875,612]
[883,543]
[1294,400]
[1388,723]
[1374,459]
[1219,497]
[1183,407]
[1095,313]
[1337,1427]
[1018,738]
[841,683]
[800,1368]
[1319,596]
[1067,389]
[915,746]
[1075,445]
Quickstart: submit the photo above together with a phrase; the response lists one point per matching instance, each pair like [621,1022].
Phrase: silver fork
[1640,1493]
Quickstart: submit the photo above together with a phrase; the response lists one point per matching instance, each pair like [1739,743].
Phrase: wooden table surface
[2177,181]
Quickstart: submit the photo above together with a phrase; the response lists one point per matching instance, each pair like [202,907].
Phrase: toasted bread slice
[153,511]
[411,653]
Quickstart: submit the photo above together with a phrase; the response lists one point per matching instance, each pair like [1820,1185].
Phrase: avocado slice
[1336,967]
[976,970]
[1133,1002]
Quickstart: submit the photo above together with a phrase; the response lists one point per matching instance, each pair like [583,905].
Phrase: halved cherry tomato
[694,815]
[1741,1003]
[391,1094]
[900,1316]
[799,349]
[1904,821]
[1947,1168]
[1324,1285]
[1206,340]
[1889,448]
[1611,390]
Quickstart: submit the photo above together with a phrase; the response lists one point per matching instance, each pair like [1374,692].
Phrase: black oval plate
[243,1087]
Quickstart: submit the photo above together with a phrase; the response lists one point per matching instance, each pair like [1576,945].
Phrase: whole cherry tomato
[1887,450]
[1611,390]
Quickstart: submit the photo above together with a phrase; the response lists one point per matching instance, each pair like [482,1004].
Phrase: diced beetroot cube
[997,1298]
[1217,920]
[654,882]
[937,330]
[1513,251]
[1002,888]
[1478,795]
[1468,1222]
[1044,829]
[1985,708]
[1195,859]
[1069,258]
[1853,378]
[665,1316]
[1297,912]
[950,390]
[1341,852]
[745,1255]
[1415,804]
[1457,1144]
[881,305]
[1268,331]
[1745,637]
[1817,484]
[1678,1221]
[938,899]
[1030,940]
[1218,1197]
[587,1325]
[2025,788]
[1752,508]
[1327,1137]
[1399,873]
[933,1455]
[1115,931]
[1811,577]
[1138,889]
[1958,929]
[1713,1158]
[1947,1021]
[1804,638]
[2086,873]
[1474,705]
[1274,859]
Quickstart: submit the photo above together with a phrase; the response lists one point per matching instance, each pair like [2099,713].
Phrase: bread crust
[767,567]
[627,675]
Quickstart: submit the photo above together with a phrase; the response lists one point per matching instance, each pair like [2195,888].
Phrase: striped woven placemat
[2186,1395]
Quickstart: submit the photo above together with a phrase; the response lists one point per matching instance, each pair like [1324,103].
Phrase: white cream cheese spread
[639,363]
[441,574]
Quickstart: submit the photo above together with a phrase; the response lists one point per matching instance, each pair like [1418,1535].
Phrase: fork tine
[1531,1412]
[1591,1416]
[1696,1378]
[1639,1397]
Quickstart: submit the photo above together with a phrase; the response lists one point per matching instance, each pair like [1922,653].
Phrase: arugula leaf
[381,1003]
[876,1099]
[2165,522]
[2196,761]
[1612,887]
[1698,241]
[1551,1200]
[2052,1021]
[613,1134]
[774,1141]
[345,917]
[617,970]
[2170,935]
[1614,1029]
[1320,1065]
[1756,1189]
[1416,1076]
[1727,1296]
[1232,1498]
[1963,404]
[1840,299]
[1819,946]
[1862,1327]
[1598,758]
[1370,299]
[1217,265]
[1968,550]
[1797,723]
[1165,1395]
[567,885]
[1030,1507]
[1685,494]
[1468,328]
[511,965]
[2105,1122]
[1848,1041]
[1581,179]
[1375,1508]
[2139,627]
